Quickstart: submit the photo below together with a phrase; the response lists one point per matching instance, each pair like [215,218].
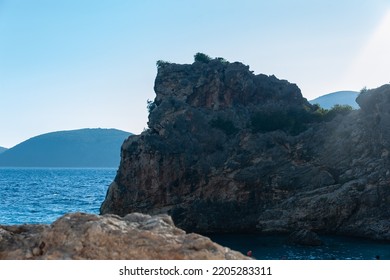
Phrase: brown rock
[86,236]
[230,151]
[199,161]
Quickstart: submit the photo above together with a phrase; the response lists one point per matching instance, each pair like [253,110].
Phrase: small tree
[321,114]
[201,57]
[338,110]
[222,60]
[150,105]
[160,63]
[363,90]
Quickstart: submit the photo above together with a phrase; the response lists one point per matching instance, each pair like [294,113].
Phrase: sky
[70,64]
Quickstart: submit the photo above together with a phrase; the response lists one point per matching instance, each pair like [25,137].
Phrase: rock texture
[230,151]
[85,236]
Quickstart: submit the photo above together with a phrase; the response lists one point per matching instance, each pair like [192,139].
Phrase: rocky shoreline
[85,236]
[230,151]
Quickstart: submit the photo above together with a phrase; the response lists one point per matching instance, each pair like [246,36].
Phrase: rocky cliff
[230,151]
[85,236]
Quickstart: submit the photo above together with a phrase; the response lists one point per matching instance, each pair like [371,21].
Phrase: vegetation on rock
[226,126]
[150,105]
[280,165]
[161,63]
[294,122]
[201,57]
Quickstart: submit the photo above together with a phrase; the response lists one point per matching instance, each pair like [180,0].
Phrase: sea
[42,195]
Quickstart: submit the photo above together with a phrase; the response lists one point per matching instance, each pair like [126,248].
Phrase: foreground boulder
[230,151]
[86,236]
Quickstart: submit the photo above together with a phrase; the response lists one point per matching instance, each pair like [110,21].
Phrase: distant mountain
[73,148]
[2,149]
[327,101]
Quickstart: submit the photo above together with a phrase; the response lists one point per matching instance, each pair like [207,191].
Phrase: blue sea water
[42,195]
[276,247]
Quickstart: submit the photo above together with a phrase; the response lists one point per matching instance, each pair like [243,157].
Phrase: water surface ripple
[41,195]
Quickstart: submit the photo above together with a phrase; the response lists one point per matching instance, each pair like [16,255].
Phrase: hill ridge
[343,97]
[87,147]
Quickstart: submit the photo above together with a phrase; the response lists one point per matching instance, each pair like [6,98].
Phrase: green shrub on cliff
[291,121]
[204,58]
[150,105]
[160,63]
[321,114]
[226,126]
[296,121]
[222,60]
[201,57]
[337,110]
[363,90]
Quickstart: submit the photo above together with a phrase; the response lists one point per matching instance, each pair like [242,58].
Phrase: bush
[363,90]
[201,57]
[161,63]
[226,126]
[337,110]
[150,105]
[321,114]
[222,60]
[290,121]
[295,121]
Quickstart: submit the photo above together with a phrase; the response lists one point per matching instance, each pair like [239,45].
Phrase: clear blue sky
[69,64]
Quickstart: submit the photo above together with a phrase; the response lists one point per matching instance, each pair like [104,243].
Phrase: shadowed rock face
[84,236]
[229,151]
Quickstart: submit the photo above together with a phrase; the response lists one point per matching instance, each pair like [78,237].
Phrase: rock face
[230,151]
[85,236]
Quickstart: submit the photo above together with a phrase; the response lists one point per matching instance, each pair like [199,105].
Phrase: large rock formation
[230,151]
[85,236]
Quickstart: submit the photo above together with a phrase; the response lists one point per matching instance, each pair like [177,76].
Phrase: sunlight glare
[372,66]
